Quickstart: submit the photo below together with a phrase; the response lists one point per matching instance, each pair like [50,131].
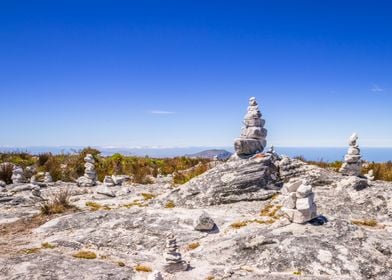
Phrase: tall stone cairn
[89,178]
[173,259]
[18,176]
[352,160]
[253,134]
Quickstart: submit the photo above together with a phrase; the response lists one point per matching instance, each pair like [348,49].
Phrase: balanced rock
[108,181]
[253,134]
[204,222]
[370,175]
[156,275]
[352,160]
[89,178]
[173,259]
[18,176]
[299,204]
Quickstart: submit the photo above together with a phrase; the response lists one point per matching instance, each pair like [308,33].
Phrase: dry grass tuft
[148,196]
[238,225]
[170,204]
[57,204]
[193,246]
[120,264]
[368,223]
[94,206]
[143,268]
[47,245]
[85,255]
[134,203]
[31,251]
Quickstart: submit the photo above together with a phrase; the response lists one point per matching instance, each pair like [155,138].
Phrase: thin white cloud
[160,112]
[376,88]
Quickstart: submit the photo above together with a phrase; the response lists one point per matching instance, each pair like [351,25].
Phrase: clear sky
[179,73]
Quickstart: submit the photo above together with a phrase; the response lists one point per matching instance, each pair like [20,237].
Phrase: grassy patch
[297,273]
[170,204]
[31,251]
[366,222]
[134,203]
[193,246]
[148,196]
[94,206]
[238,225]
[57,204]
[47,245]
[85,255]
[143,268]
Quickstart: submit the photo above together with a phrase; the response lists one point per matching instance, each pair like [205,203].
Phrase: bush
[6,172]
[58,204]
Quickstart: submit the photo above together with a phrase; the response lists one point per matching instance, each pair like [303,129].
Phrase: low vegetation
[366,222]
[170,204]
[382,170]
[94,206]
[57,204]
[68,167]
[143,268]
[47,245]
[85,255]
[193,246]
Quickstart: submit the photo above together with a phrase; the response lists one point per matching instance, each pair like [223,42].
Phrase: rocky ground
[251,238]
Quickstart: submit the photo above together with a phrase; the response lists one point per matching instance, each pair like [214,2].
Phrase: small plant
[6,172]
[94,206]
[297,273]
[31,250]
[170,204]
[148,196]
[47,245]
[238,225]
[58,204]
[134,203]
[193,246]
[85,255]
[210,278]
[120,264]
[368,223]
[143,268]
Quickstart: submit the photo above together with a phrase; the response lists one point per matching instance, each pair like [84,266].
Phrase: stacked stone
[253,134]
[173,259]
[352,160]
[299,204]
[18,176]
[48,178]
[370,175]
[89,178]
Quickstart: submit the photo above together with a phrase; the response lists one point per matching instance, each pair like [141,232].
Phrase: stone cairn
[173,259]
[253,134]
[352,160]
[18,176]
[299,204]
[370,175]
[48,178]
[89,178]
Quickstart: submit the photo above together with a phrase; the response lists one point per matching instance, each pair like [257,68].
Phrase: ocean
[325,154]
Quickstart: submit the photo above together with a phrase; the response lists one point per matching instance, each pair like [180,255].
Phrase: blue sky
[179,73]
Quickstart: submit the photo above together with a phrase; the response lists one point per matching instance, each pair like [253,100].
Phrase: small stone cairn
[89,178]
[18,176]
[370,175]
[299,204]
[173,259]
[48,178]
[352,160]
[253,134]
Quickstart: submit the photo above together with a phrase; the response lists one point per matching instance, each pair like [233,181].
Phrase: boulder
[204,222]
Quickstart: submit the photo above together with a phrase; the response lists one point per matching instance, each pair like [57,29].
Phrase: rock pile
[299,204]
[352,160]
[48,178]
[173,259]
[18,176]
[253,134]
[89,178]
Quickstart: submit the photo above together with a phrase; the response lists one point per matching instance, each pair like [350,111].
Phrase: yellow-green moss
[85,255]
[120,264]
[31,250]
[193,246]
[148,196]
[47,245]
[170,204]
[366,222]
[143,268]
